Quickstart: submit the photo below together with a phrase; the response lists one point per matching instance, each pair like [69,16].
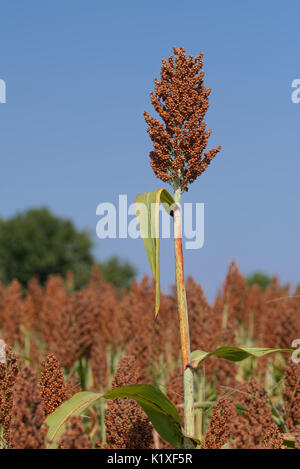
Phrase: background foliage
[38,243]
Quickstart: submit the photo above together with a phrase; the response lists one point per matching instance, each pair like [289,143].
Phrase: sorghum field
[60,341]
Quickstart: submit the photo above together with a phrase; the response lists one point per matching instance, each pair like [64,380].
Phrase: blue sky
[72,134]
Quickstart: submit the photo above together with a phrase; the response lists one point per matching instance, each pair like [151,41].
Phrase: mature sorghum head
[181,100]
[291,396]
[74,437]
[8,375]
[27,415]
[127,426]
[52,385]
[220,424]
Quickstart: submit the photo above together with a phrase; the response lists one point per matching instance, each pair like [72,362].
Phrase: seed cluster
[253,429]
[27,414]
[292,396]
[8,375]
[180,138]
[74,437]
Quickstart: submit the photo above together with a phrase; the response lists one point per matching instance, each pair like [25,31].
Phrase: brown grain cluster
[127,426]
[180,138]
[74,437]
[256,428]
[292,397]
[52,384]
[220,426]
[8,375]
[27,414]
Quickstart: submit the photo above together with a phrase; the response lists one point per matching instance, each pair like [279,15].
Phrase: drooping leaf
[156,405]
[147,212]
[234,354]
[76,405]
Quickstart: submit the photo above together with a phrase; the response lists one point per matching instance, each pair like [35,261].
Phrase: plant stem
[188,378]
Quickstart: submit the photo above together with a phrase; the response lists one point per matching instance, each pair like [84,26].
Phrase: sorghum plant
[179,156]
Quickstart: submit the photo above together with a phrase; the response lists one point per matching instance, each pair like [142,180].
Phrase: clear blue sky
[72,134]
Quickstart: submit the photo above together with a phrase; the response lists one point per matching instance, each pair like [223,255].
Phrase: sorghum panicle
[27,414]
[8,375]
[52,384]
[74,437]
[180,138]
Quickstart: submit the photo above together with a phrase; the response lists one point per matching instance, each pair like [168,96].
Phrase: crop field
[60,342]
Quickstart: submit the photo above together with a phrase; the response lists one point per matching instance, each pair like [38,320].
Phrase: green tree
[36,243]
[259,278]
[120,273]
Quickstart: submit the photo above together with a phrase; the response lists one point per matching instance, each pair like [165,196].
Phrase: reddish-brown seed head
[180,137]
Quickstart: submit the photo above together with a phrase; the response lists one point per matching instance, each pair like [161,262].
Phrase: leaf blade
[74,406]
[159,409]
[235,354]
[149,224]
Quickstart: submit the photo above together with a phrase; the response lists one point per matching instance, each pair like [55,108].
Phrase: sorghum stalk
[188,378]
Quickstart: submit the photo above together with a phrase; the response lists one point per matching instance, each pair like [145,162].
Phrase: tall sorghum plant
[179,139]
[179,156]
